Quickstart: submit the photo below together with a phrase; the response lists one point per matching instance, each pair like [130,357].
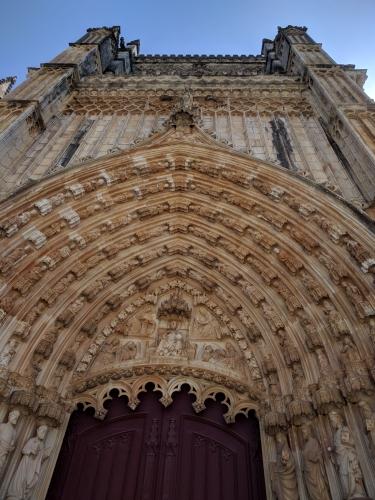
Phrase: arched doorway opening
[159,453]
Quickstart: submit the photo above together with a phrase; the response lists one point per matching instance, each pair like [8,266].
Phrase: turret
[345,111]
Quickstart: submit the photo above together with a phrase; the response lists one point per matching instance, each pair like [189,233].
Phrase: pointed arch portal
[159,453]
[183,262]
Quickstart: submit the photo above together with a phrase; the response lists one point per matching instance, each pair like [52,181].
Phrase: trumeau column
[345,111]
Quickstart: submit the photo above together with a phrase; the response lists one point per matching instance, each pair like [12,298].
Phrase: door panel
[210,456]
[158,453]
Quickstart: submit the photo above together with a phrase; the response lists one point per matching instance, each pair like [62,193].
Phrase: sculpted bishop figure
[286,482]
[27,474]
[7,438]
[313,467]
[369,420]
[8,353]
[346,459]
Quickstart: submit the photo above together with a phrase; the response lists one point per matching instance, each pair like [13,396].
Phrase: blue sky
[34,31]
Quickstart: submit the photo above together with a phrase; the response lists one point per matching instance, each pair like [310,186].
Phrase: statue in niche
[349,353]
[231,358]
[143,323]
[324,364]
[7,438]
[300,390]
[225,356]
[172,343]
[128,351]
[369,420]
[210,354]
[27,473]
[313,467]
[172,337]
[336,322]
[186,100]
[253,365]
[58,375]
[361,305]
[357,377]
[346,459]
[107,354]
[204,325]
[285,472]
[8,353]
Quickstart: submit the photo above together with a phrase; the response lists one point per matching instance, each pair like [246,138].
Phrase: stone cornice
[192,58]
[226,82]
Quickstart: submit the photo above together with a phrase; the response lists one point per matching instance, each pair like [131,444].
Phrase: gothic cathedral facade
[200,228]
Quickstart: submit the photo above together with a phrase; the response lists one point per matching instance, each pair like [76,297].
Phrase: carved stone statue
[337,323]
[204,326]
[128,351]
[286,482]
[369,420]
[357,377]
[7,438]
[27,474]
[107,354]
[144,323]
[346,459]
[313,467]
[171,344]
[186,100]
[8,352]
[226,356]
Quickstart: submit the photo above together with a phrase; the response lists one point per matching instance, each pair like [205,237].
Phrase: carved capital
[300,411]
[51,411]
[25,399]
[327,398]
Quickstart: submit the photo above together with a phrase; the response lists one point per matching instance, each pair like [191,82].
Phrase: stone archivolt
[264,281]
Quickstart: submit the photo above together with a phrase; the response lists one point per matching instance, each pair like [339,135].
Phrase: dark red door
[158,453]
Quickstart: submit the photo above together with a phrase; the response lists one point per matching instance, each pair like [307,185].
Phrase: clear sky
[34,31]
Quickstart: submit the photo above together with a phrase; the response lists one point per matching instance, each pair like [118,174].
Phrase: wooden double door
[158,453]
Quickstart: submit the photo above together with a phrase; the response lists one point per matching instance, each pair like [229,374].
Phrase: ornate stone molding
[167,380]
[236,237]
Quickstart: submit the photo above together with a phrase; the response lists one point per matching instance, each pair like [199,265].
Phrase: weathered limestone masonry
[6,85]
[224,194]
[346,113]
